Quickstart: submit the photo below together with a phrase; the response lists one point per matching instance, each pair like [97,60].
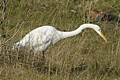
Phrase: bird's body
[41,38]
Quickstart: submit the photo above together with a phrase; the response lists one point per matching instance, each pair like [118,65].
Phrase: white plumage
[40,38]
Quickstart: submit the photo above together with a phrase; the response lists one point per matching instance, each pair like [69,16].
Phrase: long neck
[77,31]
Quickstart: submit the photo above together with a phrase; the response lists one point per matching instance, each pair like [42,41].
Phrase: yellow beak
[101,34]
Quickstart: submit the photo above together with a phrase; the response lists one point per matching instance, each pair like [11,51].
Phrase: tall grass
[82,57]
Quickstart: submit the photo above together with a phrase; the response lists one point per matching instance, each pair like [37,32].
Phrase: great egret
[40,38]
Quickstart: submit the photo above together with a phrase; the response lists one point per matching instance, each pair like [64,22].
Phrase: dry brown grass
[83,57]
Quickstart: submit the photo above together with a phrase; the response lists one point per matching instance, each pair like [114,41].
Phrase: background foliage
[82,57]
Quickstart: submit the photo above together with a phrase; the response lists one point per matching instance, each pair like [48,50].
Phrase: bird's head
[98,30]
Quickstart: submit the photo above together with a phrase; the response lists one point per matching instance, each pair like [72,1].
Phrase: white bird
[41,38]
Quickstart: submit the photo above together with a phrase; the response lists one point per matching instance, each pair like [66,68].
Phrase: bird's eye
[99,29]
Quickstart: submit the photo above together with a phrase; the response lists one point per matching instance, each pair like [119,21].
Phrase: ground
[82,57]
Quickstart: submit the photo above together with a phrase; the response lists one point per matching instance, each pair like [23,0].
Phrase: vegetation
[83,57]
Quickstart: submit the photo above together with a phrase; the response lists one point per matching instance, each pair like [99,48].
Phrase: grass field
[82,57]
